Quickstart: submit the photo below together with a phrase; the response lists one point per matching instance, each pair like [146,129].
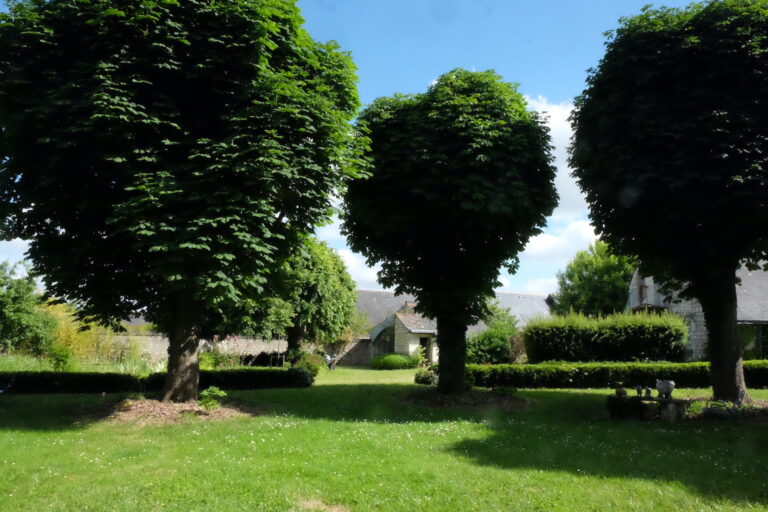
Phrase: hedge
[619,337]
[74,382]
[605,375]
[395,362]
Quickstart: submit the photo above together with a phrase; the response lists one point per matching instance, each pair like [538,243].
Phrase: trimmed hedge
[63,382]
[394,362]
[619,337]
[605,375]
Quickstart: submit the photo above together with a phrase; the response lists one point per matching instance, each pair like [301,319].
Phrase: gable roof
[380,305]
[416,323]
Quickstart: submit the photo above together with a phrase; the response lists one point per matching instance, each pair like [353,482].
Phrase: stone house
[751,313]
[397,328]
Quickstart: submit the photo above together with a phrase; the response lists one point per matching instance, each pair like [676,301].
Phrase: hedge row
[62,382]
[619,337]
[604,375]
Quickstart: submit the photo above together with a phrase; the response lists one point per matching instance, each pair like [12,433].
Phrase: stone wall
[691,311]
[155,347]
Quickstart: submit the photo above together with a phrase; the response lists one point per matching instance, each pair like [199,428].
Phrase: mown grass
[354,441]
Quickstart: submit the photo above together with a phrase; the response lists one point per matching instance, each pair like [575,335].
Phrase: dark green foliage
[462,178]
[394,362]
[164,155]
[671,148]
[603,375]
[76,382]
[619,337]
[320,292]
[595,282]
[493,345]
[23,323]
[425,377]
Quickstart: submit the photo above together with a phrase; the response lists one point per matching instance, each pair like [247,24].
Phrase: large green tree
[161,155]
[595,282]
[671,148]
[462,178]
[321,293]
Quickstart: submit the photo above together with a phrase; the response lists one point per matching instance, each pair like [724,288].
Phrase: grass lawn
[353,442]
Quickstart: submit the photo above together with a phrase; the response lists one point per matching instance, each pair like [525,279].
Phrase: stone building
[751,314]
[397,328]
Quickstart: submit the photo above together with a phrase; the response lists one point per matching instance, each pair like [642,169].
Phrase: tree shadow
[55,411]
[566,431]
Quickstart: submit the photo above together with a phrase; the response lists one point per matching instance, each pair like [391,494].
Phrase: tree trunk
[452,342]
[293,336]
[718,300]
[183,353]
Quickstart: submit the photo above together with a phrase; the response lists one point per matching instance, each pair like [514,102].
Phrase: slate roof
[752,296]
[414,322]
[380,305]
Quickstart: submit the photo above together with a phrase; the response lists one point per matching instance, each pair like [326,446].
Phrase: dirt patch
[473,399]
[155,413]
[319,506]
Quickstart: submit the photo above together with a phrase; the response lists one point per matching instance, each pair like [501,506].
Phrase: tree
[462,178]
[163,156]
[23,323]
[494,344]
[671,147]
[595,282]
[321,293]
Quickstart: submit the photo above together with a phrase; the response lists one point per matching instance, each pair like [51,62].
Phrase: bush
[425,377]
[394,362]
[313,363]
[604,375]
[61,358]
[489,348]
[209,399]
[24,325]
[214,359]
[619,337]
[57,382]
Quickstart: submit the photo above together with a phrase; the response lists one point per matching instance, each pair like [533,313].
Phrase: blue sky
[544,46]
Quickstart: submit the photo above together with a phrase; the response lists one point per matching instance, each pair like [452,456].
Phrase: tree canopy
[162,156]
[671,146]
[595,282]
[321,294]
[462,178]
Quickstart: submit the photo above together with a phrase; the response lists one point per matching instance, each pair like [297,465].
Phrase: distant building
[751,313]
[397,328]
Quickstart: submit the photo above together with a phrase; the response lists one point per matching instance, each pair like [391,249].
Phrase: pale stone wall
[407,342]
[155,347]
[697,328]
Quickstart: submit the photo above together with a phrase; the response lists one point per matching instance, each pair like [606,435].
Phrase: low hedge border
[74,382]
[605,375]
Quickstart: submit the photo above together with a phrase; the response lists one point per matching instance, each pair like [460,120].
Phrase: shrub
[488,348]
[313,363]
[394,362]
[209,399]
[61,358]
[619,337]
[602,375]
[425,377]
[214,359]
[300,377]
[24,325]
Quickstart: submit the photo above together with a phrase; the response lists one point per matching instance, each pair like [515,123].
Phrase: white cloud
[364,276]
[572,204]
[541,286]
[331,233]
[560,245]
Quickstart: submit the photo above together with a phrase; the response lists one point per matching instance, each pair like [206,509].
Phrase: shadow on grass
[55,412]
[571,432]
